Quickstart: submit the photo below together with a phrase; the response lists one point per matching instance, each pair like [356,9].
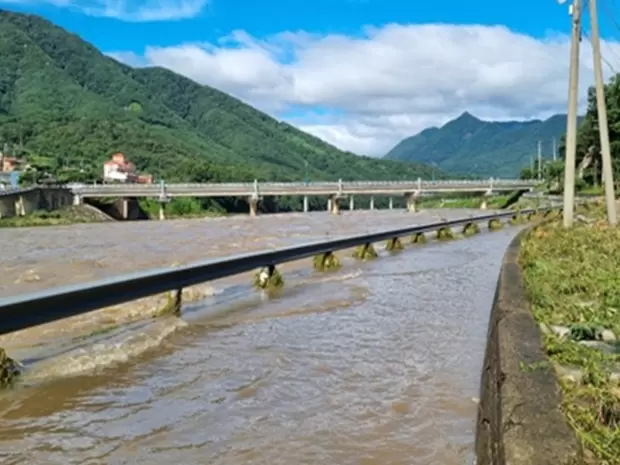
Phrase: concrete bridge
[254,192]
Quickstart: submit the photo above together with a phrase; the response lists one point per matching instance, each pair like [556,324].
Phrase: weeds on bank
[573,280]
[64,216]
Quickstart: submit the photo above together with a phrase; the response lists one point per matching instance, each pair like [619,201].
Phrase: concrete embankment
[519,419]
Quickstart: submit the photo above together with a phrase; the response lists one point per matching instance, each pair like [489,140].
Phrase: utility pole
[571,124]
[555,150]
[539,160]
[603,128]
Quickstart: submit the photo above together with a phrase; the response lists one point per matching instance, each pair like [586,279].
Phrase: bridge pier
[77,199]
[20,209]
[162,211]
[391,203]
[253,202]
[306,207]
[372,202]
[334,202]
[125,208]
[484,204]
[411,202]
[351,203]
[329,204]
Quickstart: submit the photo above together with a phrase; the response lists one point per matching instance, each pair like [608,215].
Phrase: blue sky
[360,73]
[219,17]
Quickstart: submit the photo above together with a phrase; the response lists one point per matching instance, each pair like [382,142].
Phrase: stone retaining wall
[519,418]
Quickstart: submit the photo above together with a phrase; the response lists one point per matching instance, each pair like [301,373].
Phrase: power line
[607,63]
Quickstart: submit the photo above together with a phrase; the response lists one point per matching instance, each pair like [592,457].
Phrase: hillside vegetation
[468,145]
[68,107]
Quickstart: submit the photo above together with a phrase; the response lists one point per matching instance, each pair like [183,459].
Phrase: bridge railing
[327,184]
[24,311]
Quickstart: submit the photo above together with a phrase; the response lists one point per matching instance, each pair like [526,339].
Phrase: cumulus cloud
[388,82]
[125,10]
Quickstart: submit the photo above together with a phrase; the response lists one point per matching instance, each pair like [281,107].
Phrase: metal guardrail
[24,311]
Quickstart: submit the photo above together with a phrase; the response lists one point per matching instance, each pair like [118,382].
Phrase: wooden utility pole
[571,124]
[603,128]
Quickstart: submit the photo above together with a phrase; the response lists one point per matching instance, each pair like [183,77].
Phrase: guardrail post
[394,245]
[268,278]
[495,224]
[326,262]
[9,370]
[470,229]
[365,252]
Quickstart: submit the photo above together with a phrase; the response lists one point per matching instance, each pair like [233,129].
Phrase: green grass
[68,215]
[573,279]
[463,202]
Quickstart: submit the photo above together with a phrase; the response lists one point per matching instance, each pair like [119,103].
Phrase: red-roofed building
[119,169]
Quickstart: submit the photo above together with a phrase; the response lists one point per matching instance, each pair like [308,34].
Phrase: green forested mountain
[468,145]
[65,104]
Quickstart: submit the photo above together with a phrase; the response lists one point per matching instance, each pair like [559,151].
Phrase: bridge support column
[253,202]
[162,211]
[391,203]
[125,209]
[335,205]
[372,202]
[351,203]
[329,204]
[77,199]
[485,199]
[20,209]
[306,207]
[411,202]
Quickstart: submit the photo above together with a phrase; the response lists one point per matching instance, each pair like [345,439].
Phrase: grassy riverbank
[63,216]
[462,202]
[573,279]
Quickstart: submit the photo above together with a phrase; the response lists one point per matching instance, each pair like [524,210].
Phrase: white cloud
[390,82]
[129,10]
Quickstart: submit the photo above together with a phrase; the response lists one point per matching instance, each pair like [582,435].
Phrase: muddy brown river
[377,363]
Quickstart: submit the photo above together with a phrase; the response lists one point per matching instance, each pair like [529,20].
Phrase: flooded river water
[377,363]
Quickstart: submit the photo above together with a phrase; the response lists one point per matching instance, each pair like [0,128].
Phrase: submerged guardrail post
[174,301]
[471,229]
[445,233]
[394,245]
[268,278]
[495,224]
[365,252]
[419,238]
[9,369]
[327,261]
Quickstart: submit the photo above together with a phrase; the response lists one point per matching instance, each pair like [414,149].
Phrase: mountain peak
[467,116]
[469,145]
